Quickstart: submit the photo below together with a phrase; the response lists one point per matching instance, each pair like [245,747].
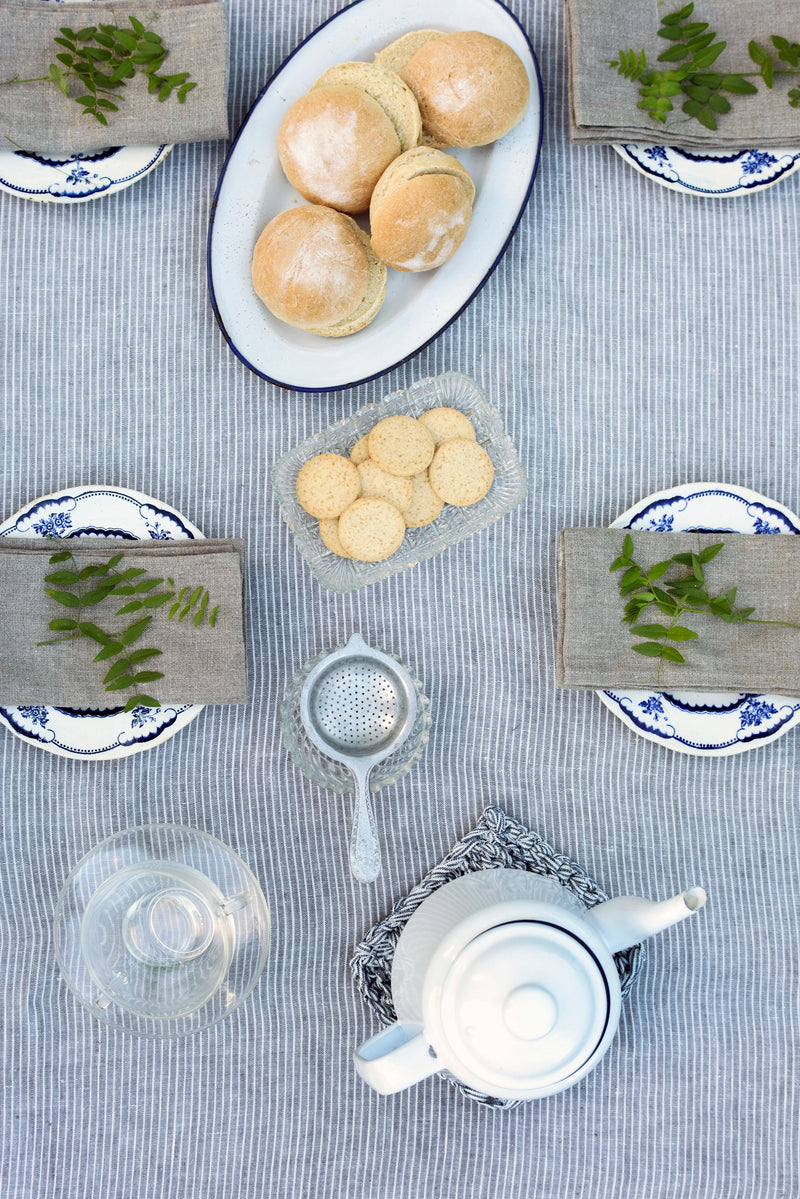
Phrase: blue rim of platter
[708,724]
[100,512]
[718,173]
[405,357]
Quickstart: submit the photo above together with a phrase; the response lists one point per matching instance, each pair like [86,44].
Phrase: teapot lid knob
[522,1008]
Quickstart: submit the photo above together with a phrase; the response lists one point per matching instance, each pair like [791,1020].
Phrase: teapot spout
[627,921]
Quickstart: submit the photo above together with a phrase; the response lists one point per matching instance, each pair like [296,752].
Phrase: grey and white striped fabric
[633,338]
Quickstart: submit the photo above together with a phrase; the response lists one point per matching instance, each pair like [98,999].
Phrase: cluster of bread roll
[370,137]
[399,476]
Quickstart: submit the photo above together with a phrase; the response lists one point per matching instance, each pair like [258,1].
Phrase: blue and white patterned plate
[79,177]
[694,722]
[98,512]
[712,173]
[75,178]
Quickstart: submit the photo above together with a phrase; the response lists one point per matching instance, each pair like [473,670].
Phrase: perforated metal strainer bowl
[357,706]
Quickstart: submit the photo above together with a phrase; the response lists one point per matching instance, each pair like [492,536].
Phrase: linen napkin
[496,840]
[36,117]
[201,665]
[603,105]
[595,648]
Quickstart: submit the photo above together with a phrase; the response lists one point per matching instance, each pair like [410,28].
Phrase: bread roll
[334,144]
[420,210]
[387,89]
[395,56]
[316,270]
[471,88]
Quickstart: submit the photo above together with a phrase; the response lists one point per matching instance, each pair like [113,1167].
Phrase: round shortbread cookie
[401,445]
[360,451]
[371,529]
[447,423]
[425,504]
[377,482]
[329,532]
[326,485]
[461,472]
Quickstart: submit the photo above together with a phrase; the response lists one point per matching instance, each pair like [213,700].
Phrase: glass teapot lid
[522,1008]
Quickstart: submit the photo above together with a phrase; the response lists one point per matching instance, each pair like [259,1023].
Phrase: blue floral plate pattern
[717,173]
[78,177]
[695,722]
[97,512]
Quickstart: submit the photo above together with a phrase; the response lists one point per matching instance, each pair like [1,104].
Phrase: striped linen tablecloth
[633,338]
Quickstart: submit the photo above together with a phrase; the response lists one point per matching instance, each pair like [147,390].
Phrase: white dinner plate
[97,512]
[252,189]
[716,173]
[75,178]
[694,722]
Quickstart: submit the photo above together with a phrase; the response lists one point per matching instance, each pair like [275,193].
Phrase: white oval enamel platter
[719,173]
[100,512]
[702,723]
[76,178]
[252,189]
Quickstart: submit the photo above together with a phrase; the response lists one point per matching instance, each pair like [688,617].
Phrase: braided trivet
[496,840]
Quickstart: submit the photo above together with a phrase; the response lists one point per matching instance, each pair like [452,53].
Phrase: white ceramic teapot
[504,979]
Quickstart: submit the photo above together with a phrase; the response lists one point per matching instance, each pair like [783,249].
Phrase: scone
[420,210]
[316,270]
[471,88]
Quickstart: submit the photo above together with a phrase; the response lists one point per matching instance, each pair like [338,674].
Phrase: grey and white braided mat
[496,840]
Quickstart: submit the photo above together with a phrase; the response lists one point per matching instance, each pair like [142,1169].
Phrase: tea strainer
[357,706]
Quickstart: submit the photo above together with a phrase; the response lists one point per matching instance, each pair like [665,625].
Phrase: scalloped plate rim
[624,150]
[613,699]
[183,715]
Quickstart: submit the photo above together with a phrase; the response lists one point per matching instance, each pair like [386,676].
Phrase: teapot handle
[396,1058]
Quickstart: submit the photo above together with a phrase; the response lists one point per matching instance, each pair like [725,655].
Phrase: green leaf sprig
[674,598]
[696,48]
[79,588]
[101,59]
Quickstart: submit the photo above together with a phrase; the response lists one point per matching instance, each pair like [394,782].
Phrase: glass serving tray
[452,390]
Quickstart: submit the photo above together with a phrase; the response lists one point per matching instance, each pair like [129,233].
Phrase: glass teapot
[504,979]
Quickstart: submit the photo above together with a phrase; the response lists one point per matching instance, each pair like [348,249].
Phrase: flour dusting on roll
[334,144]
[421,210]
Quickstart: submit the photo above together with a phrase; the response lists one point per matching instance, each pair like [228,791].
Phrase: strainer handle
[365,858]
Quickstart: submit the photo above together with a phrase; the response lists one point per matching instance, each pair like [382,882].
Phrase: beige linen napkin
[201,665]
[38,118]
[603,104]
[594,646]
